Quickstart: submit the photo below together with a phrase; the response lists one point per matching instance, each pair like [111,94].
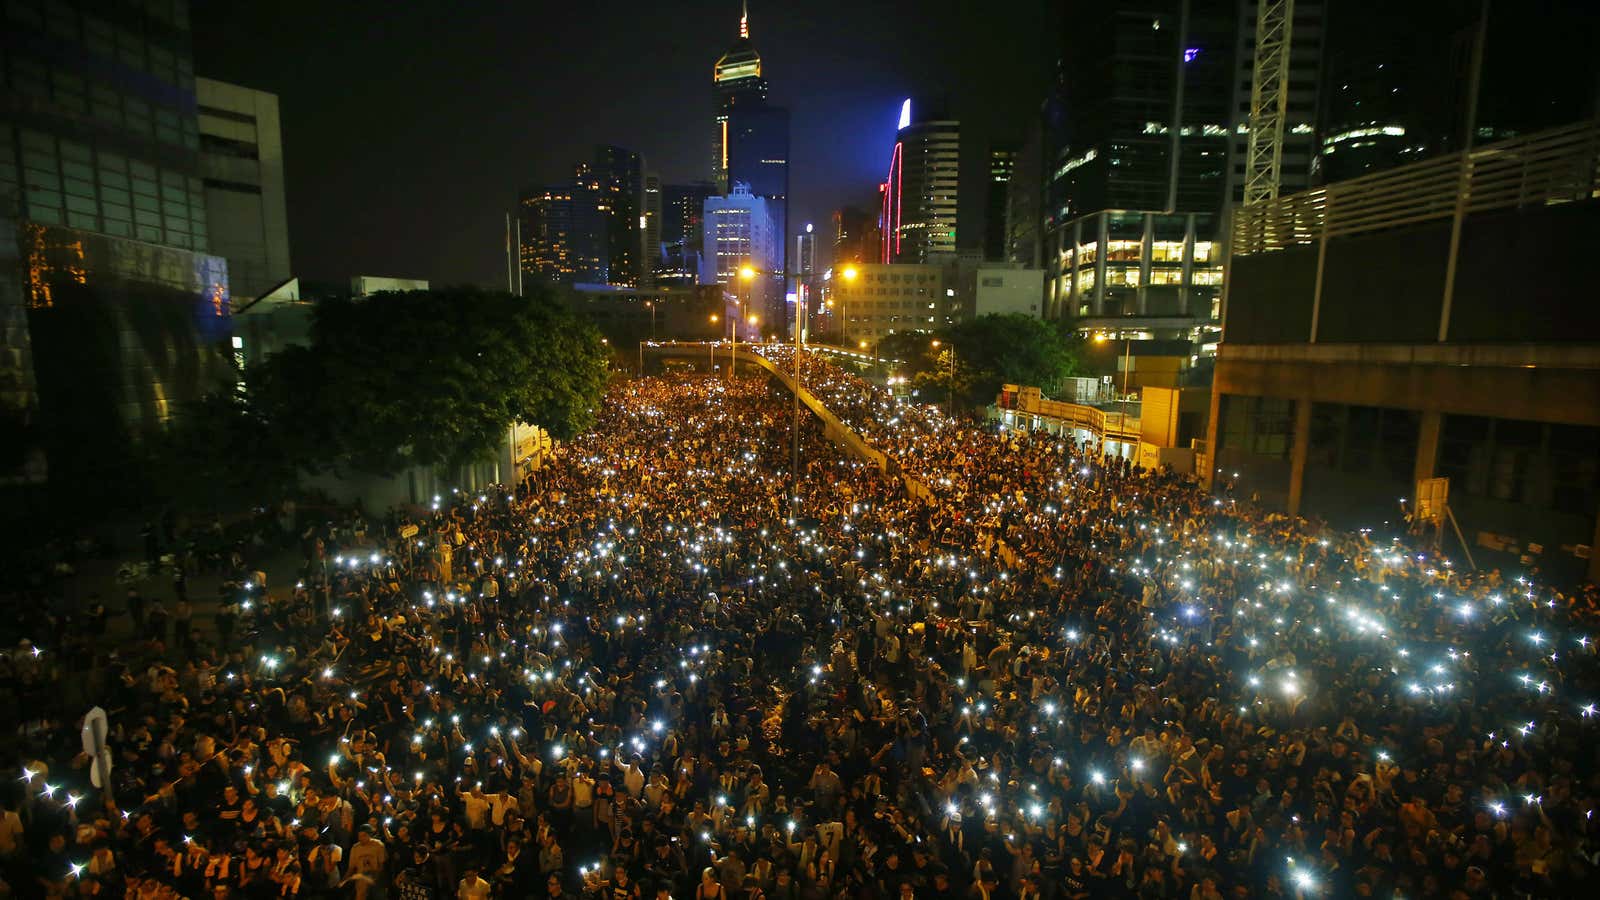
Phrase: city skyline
[386,147]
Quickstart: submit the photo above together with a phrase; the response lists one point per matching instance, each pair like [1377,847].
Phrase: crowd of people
[670,665]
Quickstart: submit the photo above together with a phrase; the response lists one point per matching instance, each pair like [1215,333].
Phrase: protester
[668,665]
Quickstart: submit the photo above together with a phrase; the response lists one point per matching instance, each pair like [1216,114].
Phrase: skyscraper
[854,236]
[682,218]
[918,216]
[1002,163]
[620,174]
[1135,174]
[737,232]
[651,222]
[737,81]
[758,155]
[1306,46]
[564,232]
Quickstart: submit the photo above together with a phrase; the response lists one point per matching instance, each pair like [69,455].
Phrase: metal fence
[1561,165]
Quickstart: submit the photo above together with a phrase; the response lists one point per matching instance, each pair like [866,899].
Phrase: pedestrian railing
[1561,165]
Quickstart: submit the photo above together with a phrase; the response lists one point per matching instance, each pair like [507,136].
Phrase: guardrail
[1561,165]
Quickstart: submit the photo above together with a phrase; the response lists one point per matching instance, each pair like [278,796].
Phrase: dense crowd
[669,665]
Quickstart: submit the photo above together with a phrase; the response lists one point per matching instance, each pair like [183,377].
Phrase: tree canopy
[429,378]
[989,351]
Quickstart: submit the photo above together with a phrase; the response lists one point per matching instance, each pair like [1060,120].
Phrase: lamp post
[713,345]
[747,274]
[652,305]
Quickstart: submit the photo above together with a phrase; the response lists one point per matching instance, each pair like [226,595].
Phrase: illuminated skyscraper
[739,85]
[918,216]
[620,173]
[564,232]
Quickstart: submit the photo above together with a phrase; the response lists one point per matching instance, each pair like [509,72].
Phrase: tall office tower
[854,240]
[651,221]
[1024,201]
[682,211]
[564,232]
[737,232]
[241,164]
[682,216]
[1138,169]
[113,317]
[1002,164]
[1306,46]
[620,173]
[758,155]
[919,199]
[736,79]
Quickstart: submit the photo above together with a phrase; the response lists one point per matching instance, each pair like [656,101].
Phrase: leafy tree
[975,357]
[430,378]
[220,454]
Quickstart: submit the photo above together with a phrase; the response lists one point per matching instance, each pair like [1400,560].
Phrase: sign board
[407,532]
[1432,495]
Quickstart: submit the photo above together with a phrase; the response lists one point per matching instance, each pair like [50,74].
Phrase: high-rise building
[564,232]
[738,83]
[113,316]
[739,234]
[620,174]
[1306,45]
[1024,201]
[855,237]
[683,210]
[758,155]
[1139,162]
[918,215]
[682,220]
[1002,165]
[241,167]
[651,221]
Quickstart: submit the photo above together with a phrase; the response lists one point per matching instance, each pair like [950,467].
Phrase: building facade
[1380,332]
[737,232]
[758,155]
[1148,90]
[650,221]
[884,298]
[1145,275]
[115,317]
[920,194]
[564,233]
[241,167]
[619,174]
[1002,164]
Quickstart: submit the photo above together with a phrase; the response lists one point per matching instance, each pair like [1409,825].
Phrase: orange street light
[747,273]
[850,273]
[714,317]
[1101,338]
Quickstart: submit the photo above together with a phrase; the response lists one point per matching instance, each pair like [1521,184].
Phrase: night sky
[409,127]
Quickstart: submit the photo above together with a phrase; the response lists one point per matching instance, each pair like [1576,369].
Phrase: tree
[430,378]
[976,357]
